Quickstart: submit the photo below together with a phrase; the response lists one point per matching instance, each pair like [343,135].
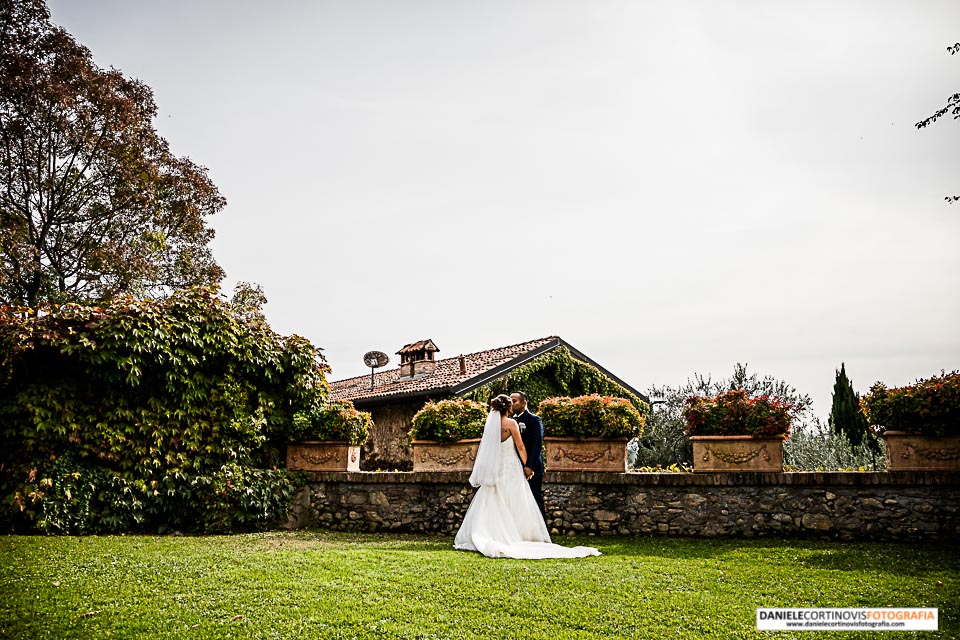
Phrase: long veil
[487,464]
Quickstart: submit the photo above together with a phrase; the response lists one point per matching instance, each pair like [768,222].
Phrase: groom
[531,432]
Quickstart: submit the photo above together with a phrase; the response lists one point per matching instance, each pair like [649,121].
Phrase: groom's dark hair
[522,395]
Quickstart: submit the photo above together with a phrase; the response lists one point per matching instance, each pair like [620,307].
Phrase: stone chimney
[417,359]
[463,364]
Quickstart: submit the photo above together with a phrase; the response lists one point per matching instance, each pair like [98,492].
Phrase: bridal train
[503,520]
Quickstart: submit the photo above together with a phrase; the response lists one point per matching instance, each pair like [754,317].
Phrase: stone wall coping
[738,438]
[793,478]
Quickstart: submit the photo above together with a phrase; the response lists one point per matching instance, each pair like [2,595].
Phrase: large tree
[92,201]
[952,107]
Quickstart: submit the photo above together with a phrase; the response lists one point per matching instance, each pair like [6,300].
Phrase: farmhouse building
[541,368]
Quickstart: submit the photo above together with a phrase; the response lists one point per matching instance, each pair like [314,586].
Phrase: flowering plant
[929,407]
[733,413]
[591,416]
[449,420]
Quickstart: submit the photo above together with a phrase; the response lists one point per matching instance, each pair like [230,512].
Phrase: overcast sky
[671,187]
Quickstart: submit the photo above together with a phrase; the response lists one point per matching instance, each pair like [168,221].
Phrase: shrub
[449,420]
[733,413]
[238,498]
[74,498]
[336,421]
[591,416]
[814,447]
[930,407]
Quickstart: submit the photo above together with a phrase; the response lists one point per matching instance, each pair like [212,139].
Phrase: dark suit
[532,435]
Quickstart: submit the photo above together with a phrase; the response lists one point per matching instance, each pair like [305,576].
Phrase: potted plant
[329,438]
[919,423]
[589,433]
[446,435]
[733,432]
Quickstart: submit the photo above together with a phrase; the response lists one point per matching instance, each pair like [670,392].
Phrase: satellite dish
[375,359]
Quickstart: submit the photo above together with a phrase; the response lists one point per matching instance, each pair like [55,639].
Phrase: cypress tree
[845,416]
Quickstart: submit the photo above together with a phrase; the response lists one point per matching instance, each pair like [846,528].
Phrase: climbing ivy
[157,402]
[553,374]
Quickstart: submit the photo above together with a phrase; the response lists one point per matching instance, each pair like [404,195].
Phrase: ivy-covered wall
[148,415]
[553,374]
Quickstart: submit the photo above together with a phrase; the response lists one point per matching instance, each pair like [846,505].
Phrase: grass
[335,585]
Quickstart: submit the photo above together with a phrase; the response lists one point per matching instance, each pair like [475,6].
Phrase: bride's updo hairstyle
[501,404]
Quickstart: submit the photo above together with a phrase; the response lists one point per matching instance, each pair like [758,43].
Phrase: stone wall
[877,506]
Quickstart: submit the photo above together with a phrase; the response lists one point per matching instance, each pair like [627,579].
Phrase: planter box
[429,455]
[914,452]
[737,453]
[586,454]
[323,456]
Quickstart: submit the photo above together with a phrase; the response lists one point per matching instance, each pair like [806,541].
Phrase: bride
[503,520]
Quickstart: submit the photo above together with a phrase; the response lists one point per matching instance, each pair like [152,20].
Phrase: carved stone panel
[323,456]
[586,454]
[737,453]
[455,456]
[915,452]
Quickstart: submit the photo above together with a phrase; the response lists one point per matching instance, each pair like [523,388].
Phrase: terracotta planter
[323,456]
[586,454]
[737,453]
[915,452]
[429,455]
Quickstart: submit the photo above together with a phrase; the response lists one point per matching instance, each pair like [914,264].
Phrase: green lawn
[334,585]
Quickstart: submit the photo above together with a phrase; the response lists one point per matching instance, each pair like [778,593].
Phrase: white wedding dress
[503,521]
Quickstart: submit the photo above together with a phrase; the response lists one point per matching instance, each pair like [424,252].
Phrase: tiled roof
[447,374]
